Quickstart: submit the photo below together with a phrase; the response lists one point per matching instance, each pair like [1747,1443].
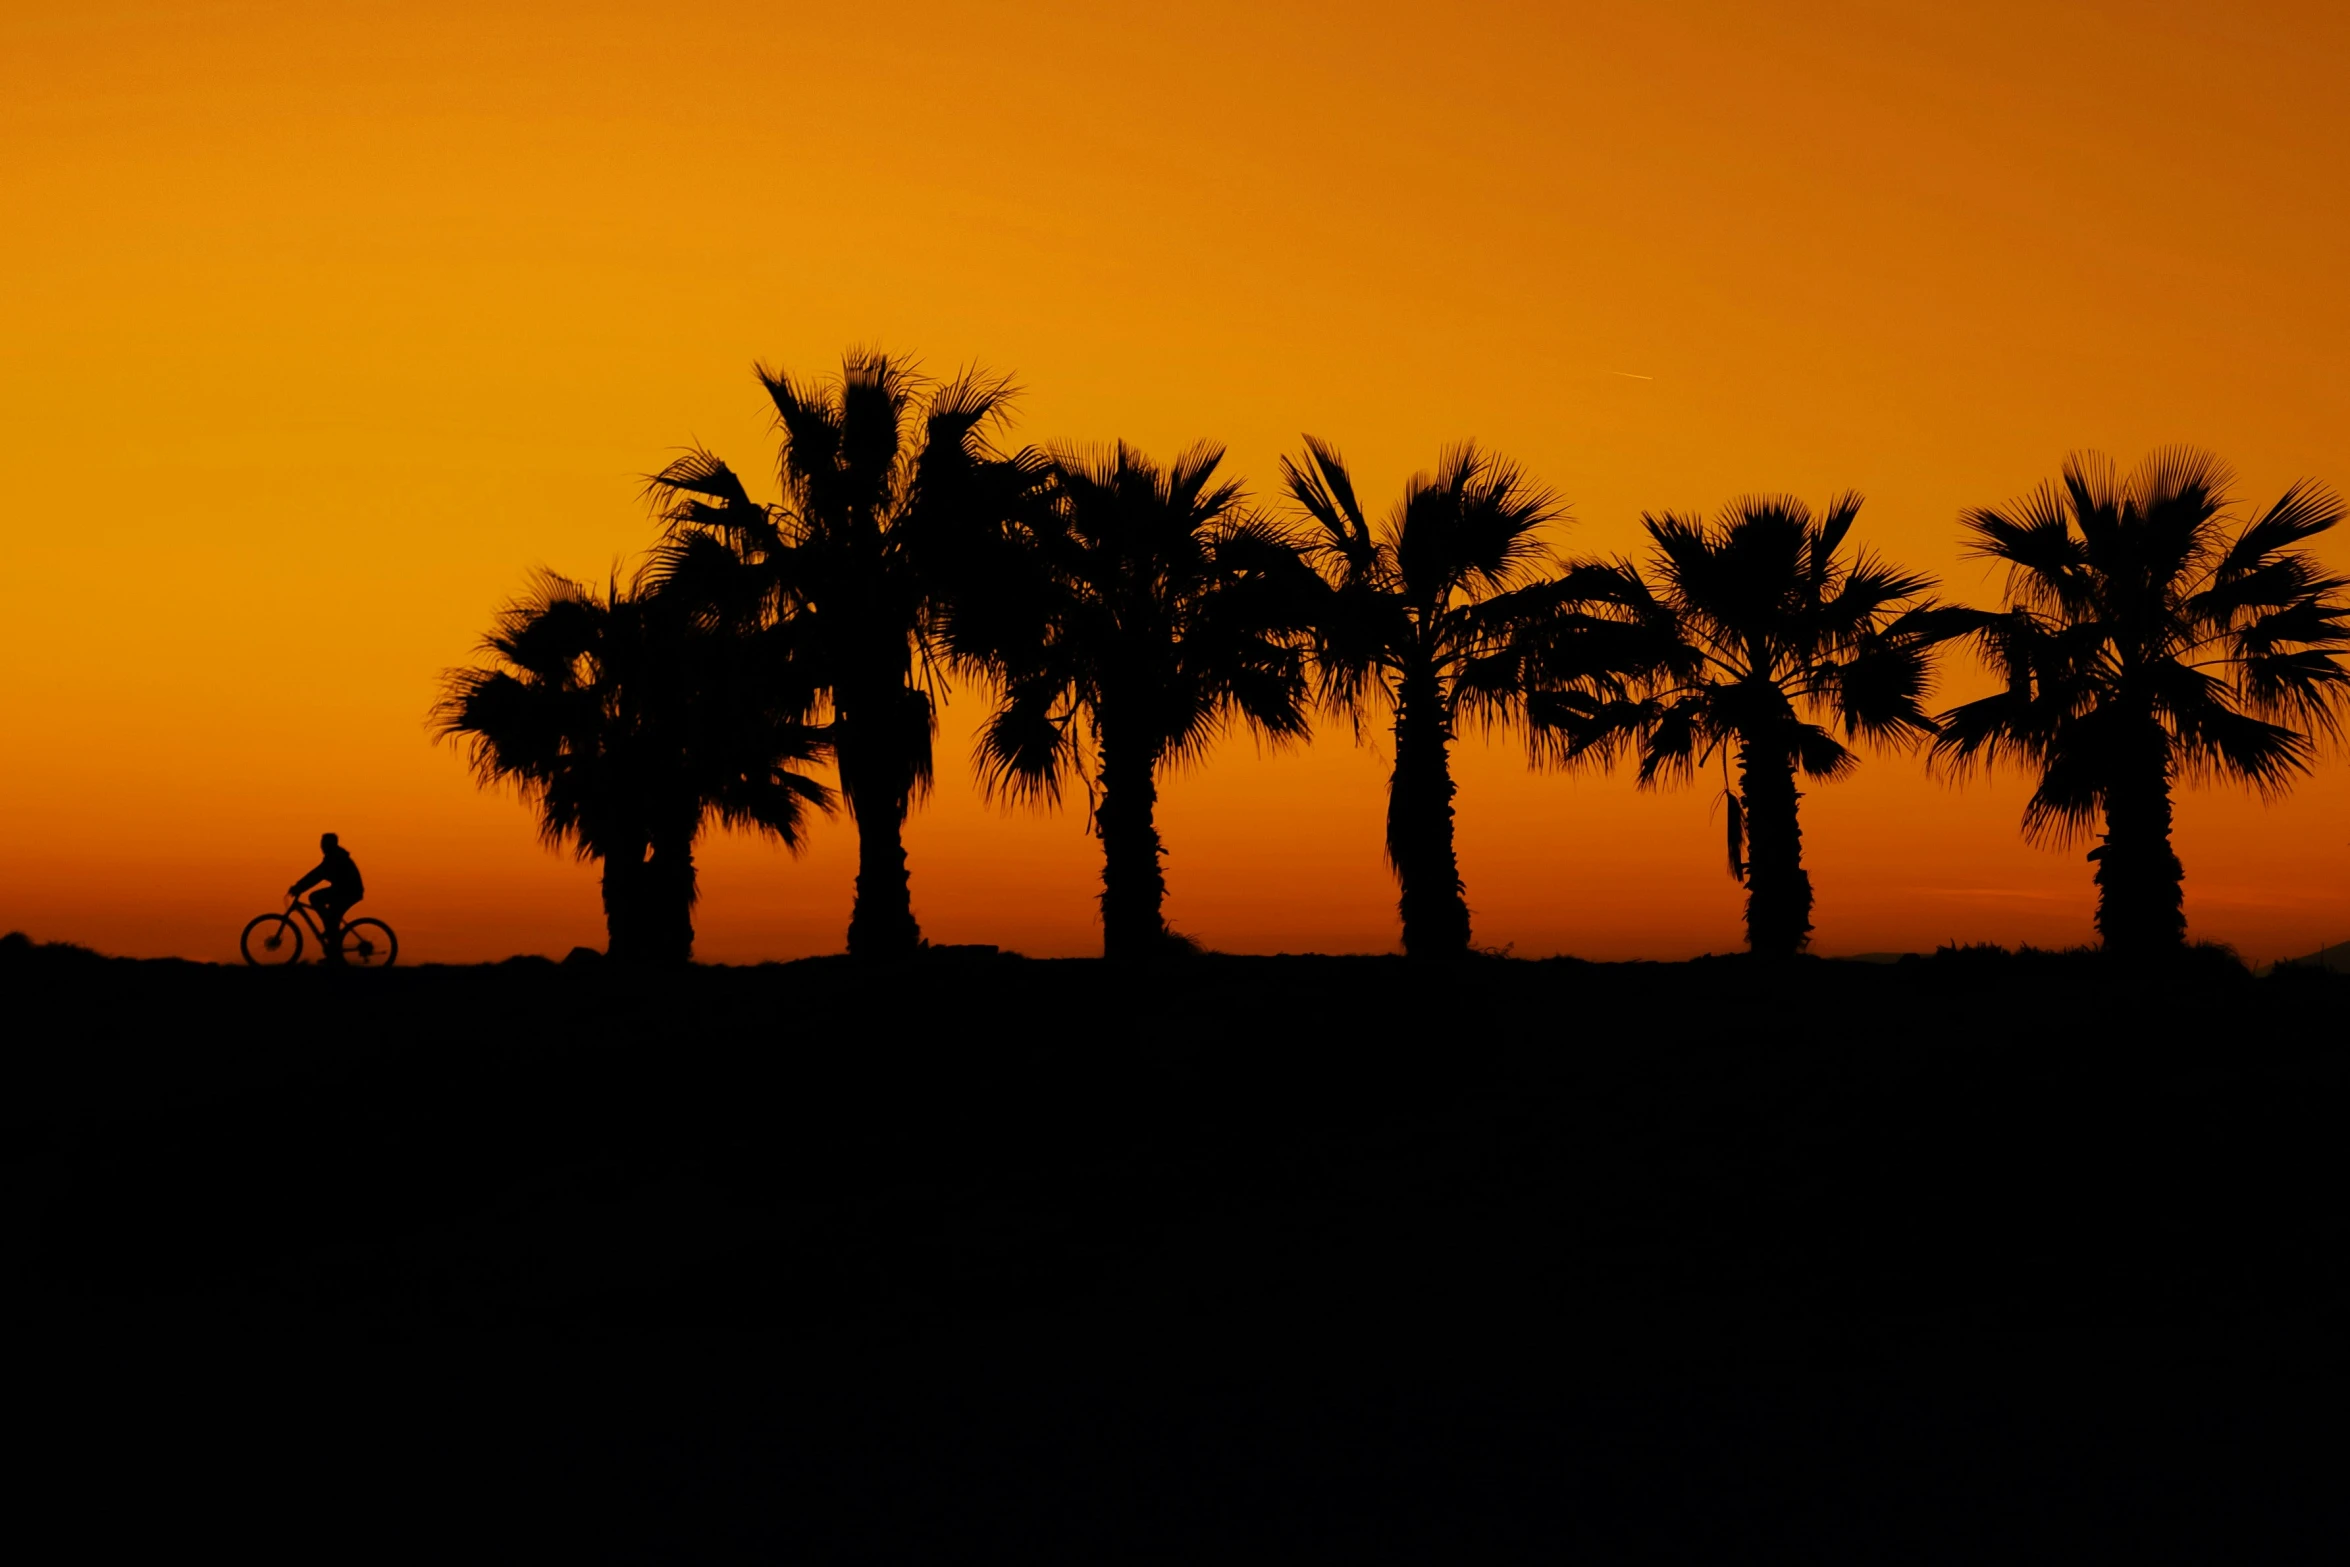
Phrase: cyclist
[342,888]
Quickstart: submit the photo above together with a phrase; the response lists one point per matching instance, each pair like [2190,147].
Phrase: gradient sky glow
[321,325]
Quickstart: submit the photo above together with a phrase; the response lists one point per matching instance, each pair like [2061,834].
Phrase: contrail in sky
[1629,376]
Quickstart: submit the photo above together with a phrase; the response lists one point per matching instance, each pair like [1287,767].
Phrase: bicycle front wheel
[369,944]
[271,940]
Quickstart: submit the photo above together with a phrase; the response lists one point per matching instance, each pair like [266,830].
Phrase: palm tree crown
[2152,639]
[627,721]
[887,482]
[1417,612]
[1130,622]
[1753,634]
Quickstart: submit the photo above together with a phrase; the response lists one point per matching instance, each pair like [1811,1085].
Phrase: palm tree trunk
[668,903]
[1778,892]
[1419,824]
[881,924]
[624,893]
[1134,889]
[2140,900]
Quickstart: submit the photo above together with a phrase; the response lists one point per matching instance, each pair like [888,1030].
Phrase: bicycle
[363,943]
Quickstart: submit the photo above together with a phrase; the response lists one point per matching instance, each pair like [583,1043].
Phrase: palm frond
[2047,564]
[1567,727]
[1819,754]
[1828,536]
[2304,511]
[1326,491]
[1678,735]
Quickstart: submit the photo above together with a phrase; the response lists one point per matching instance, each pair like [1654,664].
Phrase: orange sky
[321,325]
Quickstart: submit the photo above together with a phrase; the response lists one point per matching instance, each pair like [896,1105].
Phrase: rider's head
[327,840]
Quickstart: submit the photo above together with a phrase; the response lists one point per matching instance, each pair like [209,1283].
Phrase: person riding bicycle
[340,874]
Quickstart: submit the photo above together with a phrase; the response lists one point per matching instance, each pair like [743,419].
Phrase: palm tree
[1130,622]
[2153,639]
[627,721]
[886,482]
[1415,619]
[1740,636]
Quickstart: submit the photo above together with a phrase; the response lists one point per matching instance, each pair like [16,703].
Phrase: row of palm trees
[1123,615]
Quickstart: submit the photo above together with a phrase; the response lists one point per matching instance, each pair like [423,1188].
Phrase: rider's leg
[330,913]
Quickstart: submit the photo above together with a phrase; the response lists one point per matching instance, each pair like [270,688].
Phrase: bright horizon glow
[326,326]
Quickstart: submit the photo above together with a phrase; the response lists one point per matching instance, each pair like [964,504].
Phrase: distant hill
[2334,959]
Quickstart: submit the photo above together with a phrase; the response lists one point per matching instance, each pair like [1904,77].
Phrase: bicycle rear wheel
[271,940]
[369,944]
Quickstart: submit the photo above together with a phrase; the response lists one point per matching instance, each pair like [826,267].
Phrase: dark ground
[1951,1260]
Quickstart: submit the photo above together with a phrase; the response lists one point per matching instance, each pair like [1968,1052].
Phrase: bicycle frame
[315,921]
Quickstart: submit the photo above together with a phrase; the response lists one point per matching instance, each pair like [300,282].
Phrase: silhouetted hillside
[1329,1256]
[2334,959]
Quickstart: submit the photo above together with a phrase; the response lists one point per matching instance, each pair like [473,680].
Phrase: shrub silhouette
[627,720]
[886,481]
[1415,614]
[1130,621]
[1738,636]
[2151,640]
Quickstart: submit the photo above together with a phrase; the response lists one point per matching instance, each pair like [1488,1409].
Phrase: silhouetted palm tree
[1131,620]
[886,480]
[1416,617]
[627,720]
[1739,636]
[2152,639]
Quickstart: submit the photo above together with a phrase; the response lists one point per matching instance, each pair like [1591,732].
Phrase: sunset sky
[321,326]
